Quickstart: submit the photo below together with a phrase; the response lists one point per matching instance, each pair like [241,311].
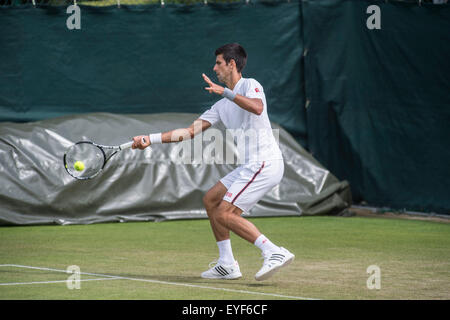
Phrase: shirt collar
[238,84]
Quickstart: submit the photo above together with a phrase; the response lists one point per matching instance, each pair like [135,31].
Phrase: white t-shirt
[253,133]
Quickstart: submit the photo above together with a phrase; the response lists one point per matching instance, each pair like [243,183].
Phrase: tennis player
[243,106]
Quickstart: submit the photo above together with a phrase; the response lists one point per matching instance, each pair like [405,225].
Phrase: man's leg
[211,201]
[225,216]
[246,187]
[228,216]
[252,183]
[226,267]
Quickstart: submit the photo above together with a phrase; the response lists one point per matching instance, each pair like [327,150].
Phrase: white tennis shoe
[221,271]
[273,261]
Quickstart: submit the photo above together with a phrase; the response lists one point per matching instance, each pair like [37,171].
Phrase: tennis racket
[86,159]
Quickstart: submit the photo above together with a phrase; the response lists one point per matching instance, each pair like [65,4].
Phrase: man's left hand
[213,88]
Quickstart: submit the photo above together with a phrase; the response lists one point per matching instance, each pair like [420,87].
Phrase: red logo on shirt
[229,194]
[256,89]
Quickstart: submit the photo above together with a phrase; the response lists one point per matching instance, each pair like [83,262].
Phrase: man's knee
[211,201]
[208,200]
[214,196]
[222,213]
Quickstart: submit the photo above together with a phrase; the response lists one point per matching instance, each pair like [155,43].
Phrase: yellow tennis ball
[79,166]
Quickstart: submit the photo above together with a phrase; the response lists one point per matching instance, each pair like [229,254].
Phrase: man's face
[222,70]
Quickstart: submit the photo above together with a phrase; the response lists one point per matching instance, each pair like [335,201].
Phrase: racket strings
[91,157]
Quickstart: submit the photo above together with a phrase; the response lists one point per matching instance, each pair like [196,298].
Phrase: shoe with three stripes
[273,261]
[221,271]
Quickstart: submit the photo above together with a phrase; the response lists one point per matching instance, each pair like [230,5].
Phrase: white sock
[265,244]
[225,252]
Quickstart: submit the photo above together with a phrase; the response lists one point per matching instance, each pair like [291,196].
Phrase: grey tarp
[140,185]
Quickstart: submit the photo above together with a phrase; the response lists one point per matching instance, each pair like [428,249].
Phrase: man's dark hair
[233,51]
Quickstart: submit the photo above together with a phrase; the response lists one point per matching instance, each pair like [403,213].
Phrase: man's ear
[233,63]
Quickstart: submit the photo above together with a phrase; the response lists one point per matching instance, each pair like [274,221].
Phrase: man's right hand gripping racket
[86,159]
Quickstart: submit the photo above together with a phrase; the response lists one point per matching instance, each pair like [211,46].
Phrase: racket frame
[105,157]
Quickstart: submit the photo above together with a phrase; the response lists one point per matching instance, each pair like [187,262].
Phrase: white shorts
[247,184]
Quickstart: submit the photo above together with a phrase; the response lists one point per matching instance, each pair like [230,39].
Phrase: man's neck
[235,77]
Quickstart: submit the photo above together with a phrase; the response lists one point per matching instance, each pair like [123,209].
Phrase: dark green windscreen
[379,100]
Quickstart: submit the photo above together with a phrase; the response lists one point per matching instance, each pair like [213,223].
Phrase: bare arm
[253,105]
[175,135]
[178,135]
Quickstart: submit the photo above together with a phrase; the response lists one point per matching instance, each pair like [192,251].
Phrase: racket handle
[129,144]
[126,145]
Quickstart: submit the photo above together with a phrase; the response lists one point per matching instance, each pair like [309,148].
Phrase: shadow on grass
[195,280]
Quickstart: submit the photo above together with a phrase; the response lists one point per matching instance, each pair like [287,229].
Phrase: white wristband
[155,138]
[227,93]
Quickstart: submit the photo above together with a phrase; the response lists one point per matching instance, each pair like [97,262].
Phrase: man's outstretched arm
[175,135]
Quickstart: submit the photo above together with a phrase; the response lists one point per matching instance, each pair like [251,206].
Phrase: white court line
[110,277]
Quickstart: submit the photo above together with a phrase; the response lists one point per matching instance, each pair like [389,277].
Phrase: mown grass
[332,256]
